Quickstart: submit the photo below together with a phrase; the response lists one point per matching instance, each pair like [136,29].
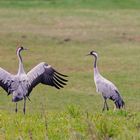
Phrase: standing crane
[106,87]
[21,84]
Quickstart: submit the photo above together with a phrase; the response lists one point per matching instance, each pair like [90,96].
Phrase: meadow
[61,33]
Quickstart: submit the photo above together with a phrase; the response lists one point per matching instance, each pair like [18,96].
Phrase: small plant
[74,111]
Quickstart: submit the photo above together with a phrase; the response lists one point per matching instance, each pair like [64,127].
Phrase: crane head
[93,53]
[21,48]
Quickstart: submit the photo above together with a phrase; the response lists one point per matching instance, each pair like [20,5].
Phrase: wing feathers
[59,80]
[5,80]
[45,74]
[60,74]
[58,84]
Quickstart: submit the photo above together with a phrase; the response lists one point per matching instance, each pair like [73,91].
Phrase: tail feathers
[118,100]
[119,103]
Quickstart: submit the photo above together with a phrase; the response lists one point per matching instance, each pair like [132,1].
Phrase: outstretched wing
[45,74]
[5,80]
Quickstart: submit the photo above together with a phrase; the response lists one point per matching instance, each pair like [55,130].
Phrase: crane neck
[21,68]
[96,71]
[95,62]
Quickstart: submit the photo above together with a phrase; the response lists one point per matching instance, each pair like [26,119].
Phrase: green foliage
[104,4]
[74,111]
[64,126]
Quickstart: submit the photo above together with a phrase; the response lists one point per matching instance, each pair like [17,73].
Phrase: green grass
[61,36]
[97,4]
[72,124]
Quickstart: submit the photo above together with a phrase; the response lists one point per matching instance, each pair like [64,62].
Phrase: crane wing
[45,74]
[106,87]
[5,80]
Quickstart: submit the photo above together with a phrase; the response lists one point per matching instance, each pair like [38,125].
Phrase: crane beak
[88,54]
[25,49]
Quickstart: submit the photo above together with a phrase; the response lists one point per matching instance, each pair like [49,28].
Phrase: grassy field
[61,33]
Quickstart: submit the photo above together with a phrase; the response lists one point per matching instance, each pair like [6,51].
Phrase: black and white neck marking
[21,68]
[93,53]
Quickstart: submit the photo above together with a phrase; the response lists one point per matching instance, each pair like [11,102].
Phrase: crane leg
[106,105]
[16,108]
[24,108]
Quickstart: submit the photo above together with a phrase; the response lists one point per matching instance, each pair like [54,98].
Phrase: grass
[97,4]
[72,124]
[62,36]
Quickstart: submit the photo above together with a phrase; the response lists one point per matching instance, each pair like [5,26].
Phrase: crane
[106,87]
[21,84]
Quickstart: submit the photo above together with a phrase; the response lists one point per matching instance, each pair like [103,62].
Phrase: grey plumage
[21,84]
[45,74]
[106,87]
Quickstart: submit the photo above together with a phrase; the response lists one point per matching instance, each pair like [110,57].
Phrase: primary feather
[45,74]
